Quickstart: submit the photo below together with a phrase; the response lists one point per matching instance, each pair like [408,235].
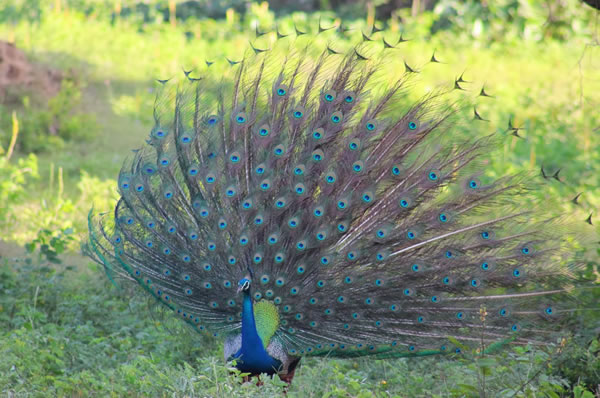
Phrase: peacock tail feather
[365,219]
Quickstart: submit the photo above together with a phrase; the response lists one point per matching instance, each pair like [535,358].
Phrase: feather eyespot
[186,139]
[293,222]
[318,134]
[230,192]
[240,118]
[278,150]
[329,96]
[358,166]
[342,227]
[281,90]
[330,177]
[264,130]
[212,120]
[354,144]
[380,256]
[516,273]
[371,125]
[336,117]
[318,155]
[164,161]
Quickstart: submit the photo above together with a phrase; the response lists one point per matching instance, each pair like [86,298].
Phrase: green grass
[66,331]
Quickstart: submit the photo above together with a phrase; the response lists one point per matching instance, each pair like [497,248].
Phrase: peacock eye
[246,285]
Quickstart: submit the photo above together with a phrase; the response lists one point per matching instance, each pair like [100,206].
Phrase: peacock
[299,201]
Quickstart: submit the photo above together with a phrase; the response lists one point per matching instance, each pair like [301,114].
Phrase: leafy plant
[48,126]
[51,244]
[13,176]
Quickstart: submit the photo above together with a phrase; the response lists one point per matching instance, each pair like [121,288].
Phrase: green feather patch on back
[266,318]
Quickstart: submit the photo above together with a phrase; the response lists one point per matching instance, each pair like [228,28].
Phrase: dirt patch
[18,76]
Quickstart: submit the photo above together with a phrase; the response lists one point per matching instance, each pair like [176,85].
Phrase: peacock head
[244,285]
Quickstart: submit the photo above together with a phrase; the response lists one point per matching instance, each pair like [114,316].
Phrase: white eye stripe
[246,285]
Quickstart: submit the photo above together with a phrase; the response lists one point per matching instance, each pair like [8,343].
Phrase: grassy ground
[65,330]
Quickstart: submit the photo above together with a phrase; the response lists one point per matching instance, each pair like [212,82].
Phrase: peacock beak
[239,289]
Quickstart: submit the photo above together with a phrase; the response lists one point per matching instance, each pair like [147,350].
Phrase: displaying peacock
[298,202]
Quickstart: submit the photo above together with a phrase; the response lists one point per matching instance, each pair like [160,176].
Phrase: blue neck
[250,336]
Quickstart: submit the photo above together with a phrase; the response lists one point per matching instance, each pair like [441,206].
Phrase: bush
[46,127]
[13,177]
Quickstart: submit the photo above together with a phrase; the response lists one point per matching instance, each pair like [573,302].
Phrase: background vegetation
[65,330]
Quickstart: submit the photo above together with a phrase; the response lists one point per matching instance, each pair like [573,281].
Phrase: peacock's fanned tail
[363,215]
